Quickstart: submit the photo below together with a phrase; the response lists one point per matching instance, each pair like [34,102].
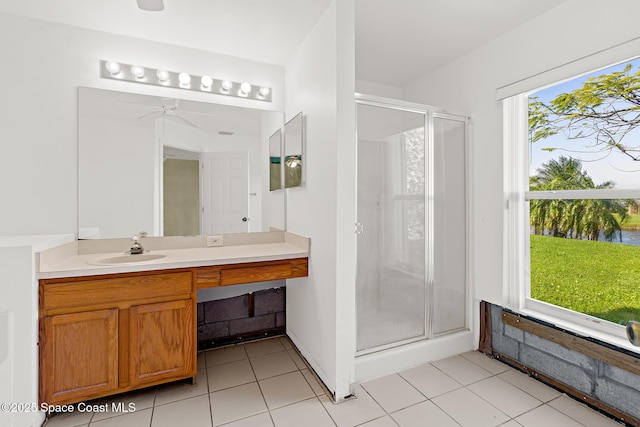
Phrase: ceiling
[145,109]
[396,41]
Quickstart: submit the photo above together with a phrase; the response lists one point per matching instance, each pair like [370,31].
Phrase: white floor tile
[462,370]
[258,348]
[230,375]
[267,384]
[308,413]
[272,364]
[430,381]
[354,411]
[286,342]
[297,359]
[393,393]
[260,420]
[285,389]
[127,402]
[529,385]
[183,389]
[425,413]
[470,410]
[134,419]
[224,355]
[194,412]
[385,421]
[546,416]
[314,382]
[504,396]
[581,413]
[486,362]
[236,403]
[69,419]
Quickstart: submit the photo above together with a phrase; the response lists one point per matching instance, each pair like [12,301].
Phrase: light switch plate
[215,240]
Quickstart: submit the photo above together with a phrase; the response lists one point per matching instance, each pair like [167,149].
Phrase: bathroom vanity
[110,328]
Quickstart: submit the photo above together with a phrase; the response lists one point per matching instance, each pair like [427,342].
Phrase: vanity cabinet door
[162,341]
[79,356]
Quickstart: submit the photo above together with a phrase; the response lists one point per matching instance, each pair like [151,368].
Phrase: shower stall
[411,285]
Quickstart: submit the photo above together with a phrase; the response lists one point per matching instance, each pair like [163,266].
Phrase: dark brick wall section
[252,324]
[241,318]
[269,301]
[613,386]
[226,309]
[200,314]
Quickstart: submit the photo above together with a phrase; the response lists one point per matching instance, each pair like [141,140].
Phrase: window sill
[597,331]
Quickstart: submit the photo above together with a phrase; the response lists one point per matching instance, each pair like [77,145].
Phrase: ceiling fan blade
[151,5]
[198,112]
[181,119]
[154,114]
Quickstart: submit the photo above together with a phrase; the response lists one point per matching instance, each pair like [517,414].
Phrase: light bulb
[245,88]
[112,67]
[226,85]
[206,81]
[163,75]
[137,71]
[184,78]
[264,91]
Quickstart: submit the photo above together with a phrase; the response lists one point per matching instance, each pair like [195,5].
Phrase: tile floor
[267,384]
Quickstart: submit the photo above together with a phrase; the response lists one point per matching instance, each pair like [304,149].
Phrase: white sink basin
[127,259]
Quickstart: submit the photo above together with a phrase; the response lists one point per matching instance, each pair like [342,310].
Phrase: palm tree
[578,219]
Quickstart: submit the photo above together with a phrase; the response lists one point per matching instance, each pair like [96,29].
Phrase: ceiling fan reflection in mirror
[151,5]
[169,109]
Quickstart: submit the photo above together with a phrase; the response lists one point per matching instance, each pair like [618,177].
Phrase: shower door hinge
[359,228]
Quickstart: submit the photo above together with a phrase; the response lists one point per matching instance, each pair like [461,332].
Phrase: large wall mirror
[173,167]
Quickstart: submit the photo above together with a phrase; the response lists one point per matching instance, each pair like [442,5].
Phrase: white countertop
[81,264]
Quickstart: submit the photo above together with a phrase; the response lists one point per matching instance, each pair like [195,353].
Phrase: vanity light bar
[180,80]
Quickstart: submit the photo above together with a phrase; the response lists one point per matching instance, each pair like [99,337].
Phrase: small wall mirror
[293,143]
[275,161]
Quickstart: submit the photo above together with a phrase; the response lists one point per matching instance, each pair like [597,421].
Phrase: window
[573,184]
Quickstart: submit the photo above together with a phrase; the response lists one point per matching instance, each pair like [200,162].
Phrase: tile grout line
[266,405]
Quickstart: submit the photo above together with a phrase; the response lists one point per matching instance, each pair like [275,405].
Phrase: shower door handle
[359,228]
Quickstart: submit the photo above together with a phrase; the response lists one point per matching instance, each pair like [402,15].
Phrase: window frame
[516,270]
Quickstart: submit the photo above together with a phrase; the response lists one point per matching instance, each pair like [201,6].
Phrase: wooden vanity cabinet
[79,356]
[108,334]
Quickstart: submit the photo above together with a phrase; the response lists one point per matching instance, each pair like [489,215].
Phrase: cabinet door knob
[245,219]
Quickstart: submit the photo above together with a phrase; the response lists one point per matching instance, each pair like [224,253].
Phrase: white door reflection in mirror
[225,192]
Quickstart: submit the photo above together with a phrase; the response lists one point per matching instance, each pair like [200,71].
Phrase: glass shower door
[391,287]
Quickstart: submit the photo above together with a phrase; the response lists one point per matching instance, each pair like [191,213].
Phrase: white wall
[377,89]
[320,308]
[116,176]
[39,108]
[572,30]
[19,325]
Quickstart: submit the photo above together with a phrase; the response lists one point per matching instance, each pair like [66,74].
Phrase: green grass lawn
[597,278]
[632,223]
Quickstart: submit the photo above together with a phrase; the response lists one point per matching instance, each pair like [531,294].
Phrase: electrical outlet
[215,240]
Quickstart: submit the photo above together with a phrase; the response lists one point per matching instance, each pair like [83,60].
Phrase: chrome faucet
[136,246]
